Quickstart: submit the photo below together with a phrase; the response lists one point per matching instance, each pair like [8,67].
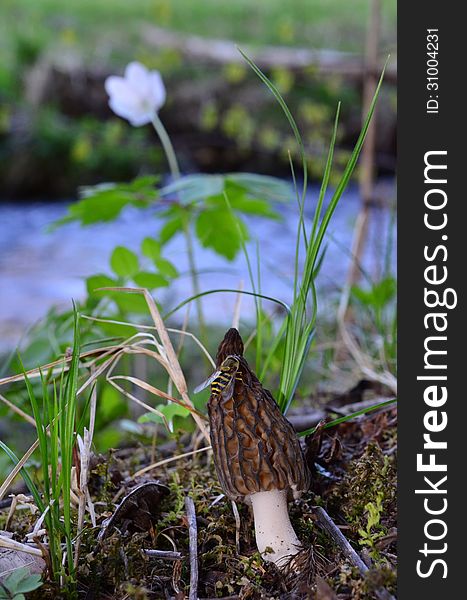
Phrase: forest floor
[354,481]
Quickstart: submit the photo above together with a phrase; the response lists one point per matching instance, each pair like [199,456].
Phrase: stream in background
[41,269]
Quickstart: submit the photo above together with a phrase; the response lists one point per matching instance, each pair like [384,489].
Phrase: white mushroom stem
[275,536]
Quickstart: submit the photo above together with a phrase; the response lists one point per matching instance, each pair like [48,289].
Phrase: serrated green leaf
[218,229]
[150,281]
[124,262]
[151,248]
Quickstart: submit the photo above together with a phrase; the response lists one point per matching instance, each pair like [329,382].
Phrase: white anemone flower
[138,95]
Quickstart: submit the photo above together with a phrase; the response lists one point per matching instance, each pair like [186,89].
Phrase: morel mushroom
[257,454]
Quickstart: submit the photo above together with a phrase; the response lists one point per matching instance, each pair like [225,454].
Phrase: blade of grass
[225,290]
[300,327]
[25,475]
[358,413]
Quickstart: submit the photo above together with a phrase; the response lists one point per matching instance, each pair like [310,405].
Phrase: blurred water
[39,270]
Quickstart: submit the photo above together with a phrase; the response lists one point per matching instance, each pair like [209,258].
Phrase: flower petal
[134,114]
[137,96]
[141,119]
[137,76]
[157,89]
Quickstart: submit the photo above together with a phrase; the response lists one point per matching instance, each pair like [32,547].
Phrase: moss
[369,480]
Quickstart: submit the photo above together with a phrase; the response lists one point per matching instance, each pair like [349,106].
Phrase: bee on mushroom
[257,454]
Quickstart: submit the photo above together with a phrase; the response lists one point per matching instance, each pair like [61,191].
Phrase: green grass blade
[225,290]
[358,413]
[25,475]
[277,95]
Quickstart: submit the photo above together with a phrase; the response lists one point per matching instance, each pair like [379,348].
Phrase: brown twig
[193,534]
[326,523]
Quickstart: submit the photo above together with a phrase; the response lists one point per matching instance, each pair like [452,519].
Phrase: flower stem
[175,172]
[167,146]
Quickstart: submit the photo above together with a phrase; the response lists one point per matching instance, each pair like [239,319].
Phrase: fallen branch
[168,460]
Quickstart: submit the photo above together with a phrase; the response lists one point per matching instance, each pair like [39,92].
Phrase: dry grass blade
[17,468]
[56,366]
[18,546]
[197,342]
[140,402]
[166,461]
[173,366]
[237,307]
[156,392]
[364,362]
[18,411]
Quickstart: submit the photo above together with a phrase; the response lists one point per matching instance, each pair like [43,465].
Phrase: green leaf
[196,188]
[262,186]
[27,583]
[145,183]
[173,413]
[130,303]
[166,267]
[151,248]
[104,206]
[104,202]
[218,229]
[173,226]
[252,206]
[150,281]
[378,295]
[95,282]
[112,404]
[124,262]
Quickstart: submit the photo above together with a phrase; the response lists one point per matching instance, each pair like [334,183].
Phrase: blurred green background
[54,121]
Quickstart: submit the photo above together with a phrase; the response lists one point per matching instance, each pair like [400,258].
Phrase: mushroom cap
[255,448]
[231,345]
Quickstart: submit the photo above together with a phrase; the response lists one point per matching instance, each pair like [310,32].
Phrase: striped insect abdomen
[220,383]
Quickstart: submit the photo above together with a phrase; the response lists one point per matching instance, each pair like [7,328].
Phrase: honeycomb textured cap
[231,345]
[255,448]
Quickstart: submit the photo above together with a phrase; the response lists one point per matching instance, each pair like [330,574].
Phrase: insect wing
[229,388]
[207,382]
